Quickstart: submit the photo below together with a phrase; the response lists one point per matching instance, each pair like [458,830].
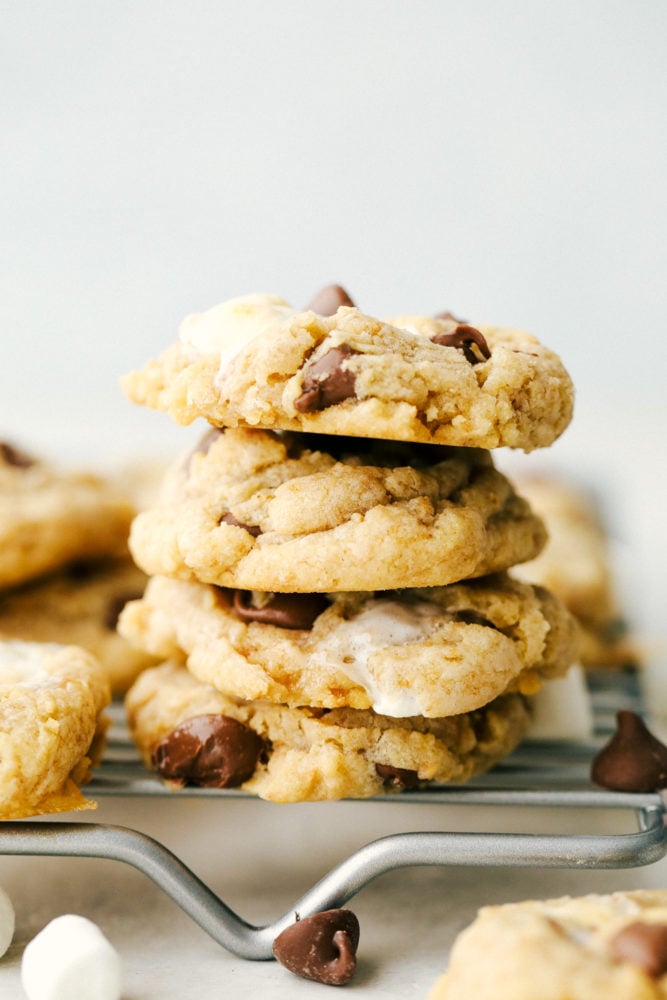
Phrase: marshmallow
[562,708]
[71,960]
[6,922]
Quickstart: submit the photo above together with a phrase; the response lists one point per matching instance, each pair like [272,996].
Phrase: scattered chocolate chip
[322,947]
[328,300]
[464,337]
[213,751]
[642,944]
[252,529]
[114,607]
[12,456]
[396,777]
[326,382]
[283,610]
[633,760]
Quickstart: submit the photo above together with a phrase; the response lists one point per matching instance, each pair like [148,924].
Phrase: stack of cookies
[328,566]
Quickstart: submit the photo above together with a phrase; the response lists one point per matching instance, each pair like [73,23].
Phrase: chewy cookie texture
[575,948]
[327,565]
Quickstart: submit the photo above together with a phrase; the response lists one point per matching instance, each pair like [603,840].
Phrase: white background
[505,160]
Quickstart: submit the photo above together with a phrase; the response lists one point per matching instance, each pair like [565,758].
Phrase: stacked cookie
[327,566]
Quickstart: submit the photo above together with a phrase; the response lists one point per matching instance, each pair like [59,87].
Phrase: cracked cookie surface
[51,700]
[198,735]
[255,362]
[432,652]
[299,512]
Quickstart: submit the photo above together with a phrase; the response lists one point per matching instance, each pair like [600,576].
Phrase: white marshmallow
[71,960]
[562,708]
[7,922]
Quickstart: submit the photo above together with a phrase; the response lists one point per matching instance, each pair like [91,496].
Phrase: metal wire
[546,774]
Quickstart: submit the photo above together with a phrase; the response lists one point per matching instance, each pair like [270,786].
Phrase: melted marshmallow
[71,960]
[381,624]
[228,327]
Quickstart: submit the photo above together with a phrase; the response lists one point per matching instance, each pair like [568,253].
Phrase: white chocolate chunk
[7,922]
[71,960]
[228,327]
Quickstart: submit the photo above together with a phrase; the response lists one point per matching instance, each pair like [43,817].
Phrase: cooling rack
[547,774]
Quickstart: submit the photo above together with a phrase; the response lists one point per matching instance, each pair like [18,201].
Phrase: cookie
[80,606]
[193,734]
[49,517]
[576,565]
[432,652]
[299,512]
[256,362]
[576,948]
[51,700]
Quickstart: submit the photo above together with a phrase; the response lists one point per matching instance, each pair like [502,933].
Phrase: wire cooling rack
[547,774]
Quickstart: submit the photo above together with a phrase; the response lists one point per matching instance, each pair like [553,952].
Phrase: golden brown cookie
[51,700]
[49,517]
[432,652]
[80,606]
[254,361]
[298,512]
[582,948]
[194,734]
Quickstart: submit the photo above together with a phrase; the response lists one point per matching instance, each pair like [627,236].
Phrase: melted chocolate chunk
[284,610]
[114,607]
[213,751]
[396,777]
[465,337]
[642,944]
[252,529]
[322,947]
[12,456]
[326,382]
[328,300]
[633,760]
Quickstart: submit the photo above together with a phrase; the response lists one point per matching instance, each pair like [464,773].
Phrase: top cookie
[255,362]
[48,518]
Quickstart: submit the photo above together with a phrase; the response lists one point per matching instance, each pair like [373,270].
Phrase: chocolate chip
[642,944]
[12,456]
[252,529]
[114,607]
[284,610]
[633,760]
[322,947]
[397,777]
[213,751]
[464,337]
[326,382]
[329,299]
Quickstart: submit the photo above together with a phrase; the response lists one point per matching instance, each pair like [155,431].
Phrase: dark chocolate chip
[284,610]
[328,300]
[252,529]
[397,777]
[642,944]
[12,456]
[322,947]
[464,337]
[326,382]
[633,760]
[114,607]
[213,751]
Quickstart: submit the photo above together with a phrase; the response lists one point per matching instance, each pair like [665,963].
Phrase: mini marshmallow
[71,960]
[7,922]
[562,708]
